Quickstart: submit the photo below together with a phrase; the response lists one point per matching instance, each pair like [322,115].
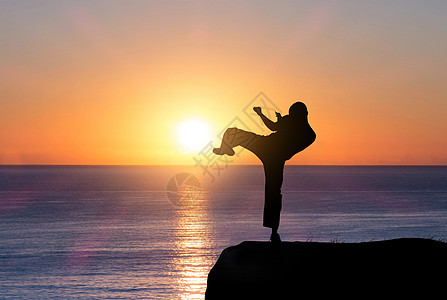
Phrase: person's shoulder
[284,119]
[284,122]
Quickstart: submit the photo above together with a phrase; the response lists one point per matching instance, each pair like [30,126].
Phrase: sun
[193,134]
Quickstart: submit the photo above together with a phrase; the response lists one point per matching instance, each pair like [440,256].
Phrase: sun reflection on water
[194,242]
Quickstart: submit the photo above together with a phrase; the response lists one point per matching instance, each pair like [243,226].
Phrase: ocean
[154,232]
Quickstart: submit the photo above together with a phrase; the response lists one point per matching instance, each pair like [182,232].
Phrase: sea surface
[154,232]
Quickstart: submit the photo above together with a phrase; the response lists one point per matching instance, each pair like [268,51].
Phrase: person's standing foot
[274,237]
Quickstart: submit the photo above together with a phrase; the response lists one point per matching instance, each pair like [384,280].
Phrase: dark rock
[291,270]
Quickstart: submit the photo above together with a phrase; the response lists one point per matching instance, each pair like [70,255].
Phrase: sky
[111,82]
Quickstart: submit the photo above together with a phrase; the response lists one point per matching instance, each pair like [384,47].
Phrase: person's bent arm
[269,123]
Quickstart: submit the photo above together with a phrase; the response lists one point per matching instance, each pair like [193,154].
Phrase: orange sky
[105,82]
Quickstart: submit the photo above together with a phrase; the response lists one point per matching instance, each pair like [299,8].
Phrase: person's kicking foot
[223,150]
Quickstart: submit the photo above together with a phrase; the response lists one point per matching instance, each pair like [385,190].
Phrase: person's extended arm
[269,123]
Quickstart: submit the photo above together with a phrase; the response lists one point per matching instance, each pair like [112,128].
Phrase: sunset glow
[193,135]
[99,82]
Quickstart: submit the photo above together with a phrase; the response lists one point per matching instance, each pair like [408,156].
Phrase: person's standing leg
[273,199]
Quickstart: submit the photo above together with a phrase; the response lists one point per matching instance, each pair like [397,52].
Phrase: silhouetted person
[293,134]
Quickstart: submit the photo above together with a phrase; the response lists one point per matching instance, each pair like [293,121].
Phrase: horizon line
[189,165]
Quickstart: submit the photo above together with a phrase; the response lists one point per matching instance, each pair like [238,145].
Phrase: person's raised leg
[227,144]
[235,137]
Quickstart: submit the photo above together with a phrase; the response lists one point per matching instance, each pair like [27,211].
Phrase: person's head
[298,110]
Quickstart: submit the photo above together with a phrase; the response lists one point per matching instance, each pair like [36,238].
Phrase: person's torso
[293,136]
